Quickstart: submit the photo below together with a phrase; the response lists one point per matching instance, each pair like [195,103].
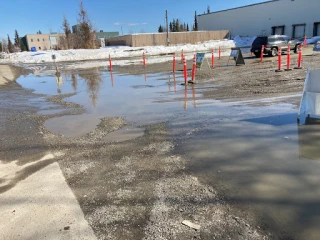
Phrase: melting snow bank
[119,52]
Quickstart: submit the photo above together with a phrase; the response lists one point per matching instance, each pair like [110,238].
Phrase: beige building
[42,41]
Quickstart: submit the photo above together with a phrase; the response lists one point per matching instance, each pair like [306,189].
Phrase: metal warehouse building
[295,18]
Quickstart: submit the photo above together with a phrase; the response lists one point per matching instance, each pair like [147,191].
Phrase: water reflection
[59,82]
[309,139]
[93,81]
[112,79]
[185,105]
[74,81]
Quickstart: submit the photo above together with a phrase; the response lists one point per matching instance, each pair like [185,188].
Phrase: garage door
[298,31]
[278,31]
[318,29]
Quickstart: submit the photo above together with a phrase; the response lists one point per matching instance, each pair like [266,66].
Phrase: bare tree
[67,32]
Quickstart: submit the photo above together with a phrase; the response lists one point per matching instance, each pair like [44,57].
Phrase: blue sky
[29,16]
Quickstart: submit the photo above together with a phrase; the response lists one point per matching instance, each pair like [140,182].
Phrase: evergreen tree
[187,27]
[10,45]
[22,46]
[67,31]
[208,9]
[174,27]
[1,47]
[16,39]
[160,29]
[39,32]
[170,27]
[195,26]
[85,35]
[177,26]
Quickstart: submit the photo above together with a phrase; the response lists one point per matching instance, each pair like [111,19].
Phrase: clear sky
[30,16]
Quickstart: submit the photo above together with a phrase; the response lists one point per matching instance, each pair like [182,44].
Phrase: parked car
[272,44]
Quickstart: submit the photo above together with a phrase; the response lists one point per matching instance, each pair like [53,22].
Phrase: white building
[295,18]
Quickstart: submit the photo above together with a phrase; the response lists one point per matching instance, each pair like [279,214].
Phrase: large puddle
[261,157]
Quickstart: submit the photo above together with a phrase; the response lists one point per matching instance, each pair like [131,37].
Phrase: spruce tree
[174,27]
[1,47]
[187,27]
[10,45]
[208,9]
[177,26]
[16,39]
[195,28]
[22,46]
[160,29]
[170,27]
[85,35]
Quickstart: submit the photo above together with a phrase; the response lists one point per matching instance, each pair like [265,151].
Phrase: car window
[260,41]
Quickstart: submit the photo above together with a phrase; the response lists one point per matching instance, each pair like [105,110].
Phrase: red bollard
[279,60]
[305,41]
[262,52]
[182,56]
[110,63]
[185,71]
[193,76]
[219,53]
[174,63]
[288,59]
[144,59]
[212,59]
[299,58]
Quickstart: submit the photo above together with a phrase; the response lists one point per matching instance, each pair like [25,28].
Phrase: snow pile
[121,54]
[313,40]
[243,41]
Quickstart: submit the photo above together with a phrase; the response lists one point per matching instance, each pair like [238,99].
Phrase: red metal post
[194,68]
[262,52]
[212,59]
[144,59]
[110,63]
[174,63]
[288,58]
[185,71]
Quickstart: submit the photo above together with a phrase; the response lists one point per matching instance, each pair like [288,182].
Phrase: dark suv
[271,44]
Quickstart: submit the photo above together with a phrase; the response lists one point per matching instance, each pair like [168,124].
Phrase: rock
[191,225]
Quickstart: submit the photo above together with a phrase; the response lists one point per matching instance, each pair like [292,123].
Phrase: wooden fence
[156,39]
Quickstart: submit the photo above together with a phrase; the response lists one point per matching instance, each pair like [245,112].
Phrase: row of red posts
[289,59]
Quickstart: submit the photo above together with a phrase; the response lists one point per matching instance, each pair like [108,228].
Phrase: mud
[141,188]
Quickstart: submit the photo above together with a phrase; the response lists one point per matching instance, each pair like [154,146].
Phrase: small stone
[66,228]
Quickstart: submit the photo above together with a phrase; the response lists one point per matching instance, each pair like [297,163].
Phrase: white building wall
[259,19]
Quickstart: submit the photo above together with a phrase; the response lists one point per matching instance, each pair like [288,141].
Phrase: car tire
[273,52]
[257,54]
[295,50]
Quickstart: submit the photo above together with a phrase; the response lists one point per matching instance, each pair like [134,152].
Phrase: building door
[316,29]
[298,30]
[278,30]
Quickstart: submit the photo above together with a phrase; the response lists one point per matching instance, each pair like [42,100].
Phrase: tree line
[176,26]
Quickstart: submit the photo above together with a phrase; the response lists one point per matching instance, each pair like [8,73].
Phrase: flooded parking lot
[254,152]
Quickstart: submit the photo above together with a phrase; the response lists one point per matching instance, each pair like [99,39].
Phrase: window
[31,40]
[39,48]
[42,39]
[38,40]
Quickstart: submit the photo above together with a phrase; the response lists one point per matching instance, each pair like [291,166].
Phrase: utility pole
[168,40]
